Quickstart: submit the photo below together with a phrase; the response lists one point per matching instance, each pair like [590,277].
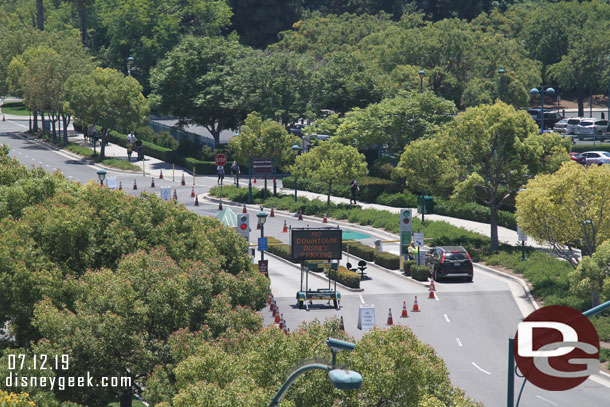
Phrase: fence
[181,135]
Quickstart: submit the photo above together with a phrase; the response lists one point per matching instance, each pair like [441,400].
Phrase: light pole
[262,218]
[421,74]
[101,174]
[129,65]
[501,71]
[342,379]
[295,150]
[536,92]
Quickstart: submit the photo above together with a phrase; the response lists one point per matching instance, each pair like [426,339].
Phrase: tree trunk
[80,4]
[53,120]
[35,117]
[595,298]
[64,118]
[493,209]
[103,142]
[39,15]
[581,104]
[330,183]
[126,399]
[215,131]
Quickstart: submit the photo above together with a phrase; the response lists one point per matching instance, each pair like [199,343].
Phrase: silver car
[596,157]
[561,126]
[573,123]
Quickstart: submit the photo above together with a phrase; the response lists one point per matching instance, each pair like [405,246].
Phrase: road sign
[243,225]
[316,244]
[221,159]
[166,193]
[262,243]
[522,237]
[262,166]
[111,181]
[263,267]
[418,239]
[366,317]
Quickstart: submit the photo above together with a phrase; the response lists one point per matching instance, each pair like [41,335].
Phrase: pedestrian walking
[90,133]
[221,174]
[131,139]
[140,150]
[353,186]
[235,171]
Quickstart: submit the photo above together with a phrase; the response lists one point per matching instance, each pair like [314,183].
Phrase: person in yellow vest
[412,251]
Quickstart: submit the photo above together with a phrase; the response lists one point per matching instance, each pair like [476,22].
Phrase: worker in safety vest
[412,251]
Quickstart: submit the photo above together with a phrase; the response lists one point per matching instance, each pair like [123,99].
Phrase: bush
[474,212]
[345,277]
[370,187]
[408,265]
[420,273]
[360,250]
[387,260]
[283,250]
[581,148]
[398,200]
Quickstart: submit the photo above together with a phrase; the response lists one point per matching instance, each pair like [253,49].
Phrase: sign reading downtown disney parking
[316,244]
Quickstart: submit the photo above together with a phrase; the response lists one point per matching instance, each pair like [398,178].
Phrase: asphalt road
[468,324]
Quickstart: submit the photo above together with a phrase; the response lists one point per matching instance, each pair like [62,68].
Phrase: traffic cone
[193,192]
[431,294]
[390,321]
[282,326]
[255,180]
[220,205]
[432,286]
[196,200]
[135,186]
[183,182]
[285,230]
[161,175]
[415,306]
[120,186]
[244,209]
[404,310]
[341,324]
[276,315]
[324,220]
[272,214]
[175,197]
[152,183]
[300,215]
[3,118]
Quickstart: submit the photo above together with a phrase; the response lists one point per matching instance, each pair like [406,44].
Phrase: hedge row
[360,250]
[420,273]
[283,250]
[408,265]
[387,260]
[345,277]
[581,148]
[474,212]
[370,187]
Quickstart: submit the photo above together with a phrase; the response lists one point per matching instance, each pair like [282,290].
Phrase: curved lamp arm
[278,397]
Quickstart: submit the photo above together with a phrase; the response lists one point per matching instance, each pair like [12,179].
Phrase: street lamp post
[342,379]
[295,150]
[501,71]
[262,218]
[129,65]
[101,174]
[421,73]
[536,92]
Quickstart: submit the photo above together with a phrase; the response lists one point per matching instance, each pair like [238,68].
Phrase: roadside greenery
[15,108]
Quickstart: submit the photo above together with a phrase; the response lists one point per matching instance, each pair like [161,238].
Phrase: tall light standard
[129,65]
[262,218]
[501,71]
[421,74]
[101,174]
[608,59]
[547,92]
[295,150]
[342,379]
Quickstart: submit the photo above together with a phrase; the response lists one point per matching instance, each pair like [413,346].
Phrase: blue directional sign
[262,243]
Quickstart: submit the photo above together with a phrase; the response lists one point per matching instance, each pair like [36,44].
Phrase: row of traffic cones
[404,313]
[277,317]
[174,197]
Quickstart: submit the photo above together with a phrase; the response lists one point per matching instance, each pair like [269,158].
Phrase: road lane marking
[459,342]
[361,299]
[436,296]
[47,165]
[482,370]
[547,400]
[446,318]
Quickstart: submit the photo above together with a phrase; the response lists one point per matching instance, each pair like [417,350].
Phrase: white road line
[47,165]
[446,317]
[18,124]
[460,343]
[482,370]
[547,400]
[436,296]
[361,299]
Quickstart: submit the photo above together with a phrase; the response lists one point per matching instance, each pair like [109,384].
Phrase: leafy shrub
[282,250]
[370,187]
[408,265]
[387,260]
[420,273]
[398,200]
[345,277]
[581,148]
[360,250]
[474,212]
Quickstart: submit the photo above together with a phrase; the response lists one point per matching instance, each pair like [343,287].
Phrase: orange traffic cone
[431,294]
[193,192]
[135,186]
[432,286]
[300,215]
[285,230]
[276,315]
[220,205]
[183,182]
[272,214]
[255,180]
[244,209]
[404,310]
[120,186]
[415,306]
[152,183]
[341,324]
[3,118]
[175,197]
[282,326]
[324,220]
[161,175]
[390,321]
[196,200]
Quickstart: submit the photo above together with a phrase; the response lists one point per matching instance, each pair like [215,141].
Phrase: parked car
[450,261]
[561,126]
[591,127]
[550,117]
[297,129]
[573,123]
[579,158]
[596,157]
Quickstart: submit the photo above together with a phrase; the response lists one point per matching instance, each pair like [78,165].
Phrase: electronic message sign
[316,244]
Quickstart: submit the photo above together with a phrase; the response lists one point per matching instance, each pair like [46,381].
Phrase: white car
[596,157]
[561,126]
[573,123]
[590,127]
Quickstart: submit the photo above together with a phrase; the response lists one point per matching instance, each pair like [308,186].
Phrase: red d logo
[556,348]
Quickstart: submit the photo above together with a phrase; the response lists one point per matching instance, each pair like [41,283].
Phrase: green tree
[331,162]
[260,138]
[592,276]
[568,209]
[107,98]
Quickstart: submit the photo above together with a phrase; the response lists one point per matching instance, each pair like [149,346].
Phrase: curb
[321,277]
[530,298]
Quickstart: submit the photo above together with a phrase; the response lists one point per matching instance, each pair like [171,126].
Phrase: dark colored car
[579,158]
[550,117]
[297,129]
[450,261]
